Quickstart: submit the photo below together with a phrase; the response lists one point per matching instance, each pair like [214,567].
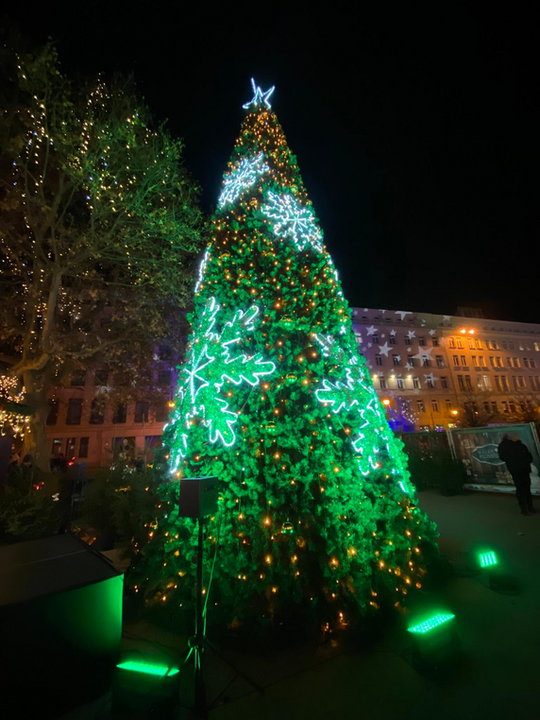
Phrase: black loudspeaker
[198,496]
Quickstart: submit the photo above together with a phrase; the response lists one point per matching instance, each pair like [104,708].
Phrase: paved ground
[494,675]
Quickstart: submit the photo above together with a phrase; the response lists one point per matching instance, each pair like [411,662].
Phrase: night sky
[417,133]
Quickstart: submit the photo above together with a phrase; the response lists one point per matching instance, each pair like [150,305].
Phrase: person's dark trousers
[522,481]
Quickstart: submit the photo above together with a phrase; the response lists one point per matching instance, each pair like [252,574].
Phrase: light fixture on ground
[148,668]
[433,642]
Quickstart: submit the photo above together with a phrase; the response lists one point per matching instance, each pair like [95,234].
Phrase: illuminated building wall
[436,370]
[86,423]
[443,370]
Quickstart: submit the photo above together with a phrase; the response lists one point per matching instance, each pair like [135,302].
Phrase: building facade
[438,371]
[89,423]
[430,371]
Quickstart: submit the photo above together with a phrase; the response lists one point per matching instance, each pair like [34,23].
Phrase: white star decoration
[424,352]
[403,313]
[259,97]
[411,334]
[371,330]
[384,349]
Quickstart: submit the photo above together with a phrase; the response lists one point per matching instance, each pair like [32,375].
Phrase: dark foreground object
[60,623]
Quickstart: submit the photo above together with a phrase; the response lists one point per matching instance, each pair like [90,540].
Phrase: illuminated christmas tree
[317,515]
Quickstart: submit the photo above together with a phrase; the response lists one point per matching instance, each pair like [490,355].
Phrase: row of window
[411,361]
[408,339]
[477,344]
[68,447]
[435,405]
[414,382]
[74,412]
[465,382]
[501,382]
[102,378]
[490,407]
[478,361]
[496,361]
[122,447]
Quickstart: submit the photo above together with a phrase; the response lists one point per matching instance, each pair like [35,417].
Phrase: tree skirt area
[493,675]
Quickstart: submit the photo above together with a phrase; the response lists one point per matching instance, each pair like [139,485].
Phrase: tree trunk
[35,442]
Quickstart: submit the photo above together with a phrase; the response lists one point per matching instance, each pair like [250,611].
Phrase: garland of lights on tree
[317,516]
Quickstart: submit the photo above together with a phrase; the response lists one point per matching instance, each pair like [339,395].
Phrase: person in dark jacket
[518,461]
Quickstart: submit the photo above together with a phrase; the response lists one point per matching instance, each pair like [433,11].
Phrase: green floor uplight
[488,559]
[147,668]
[432,622]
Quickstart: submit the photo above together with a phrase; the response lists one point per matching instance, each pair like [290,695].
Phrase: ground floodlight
[488,559]
[147,668]
[430,623]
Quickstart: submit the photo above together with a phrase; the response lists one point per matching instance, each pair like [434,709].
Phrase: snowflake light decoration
[215,359]
[240,178]
[351,395]
[293,221]
[202,268]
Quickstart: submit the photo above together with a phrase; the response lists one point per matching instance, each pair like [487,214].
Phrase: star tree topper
[259,97]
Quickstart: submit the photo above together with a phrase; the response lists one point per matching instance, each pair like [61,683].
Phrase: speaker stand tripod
[199,644]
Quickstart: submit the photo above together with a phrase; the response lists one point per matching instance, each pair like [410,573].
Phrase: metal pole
[200,692]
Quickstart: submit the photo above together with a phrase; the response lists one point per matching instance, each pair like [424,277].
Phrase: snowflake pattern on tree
[293,221]
[342,396]
[242,177]
[216,360]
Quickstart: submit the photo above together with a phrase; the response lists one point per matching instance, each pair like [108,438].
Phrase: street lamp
[454,413]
